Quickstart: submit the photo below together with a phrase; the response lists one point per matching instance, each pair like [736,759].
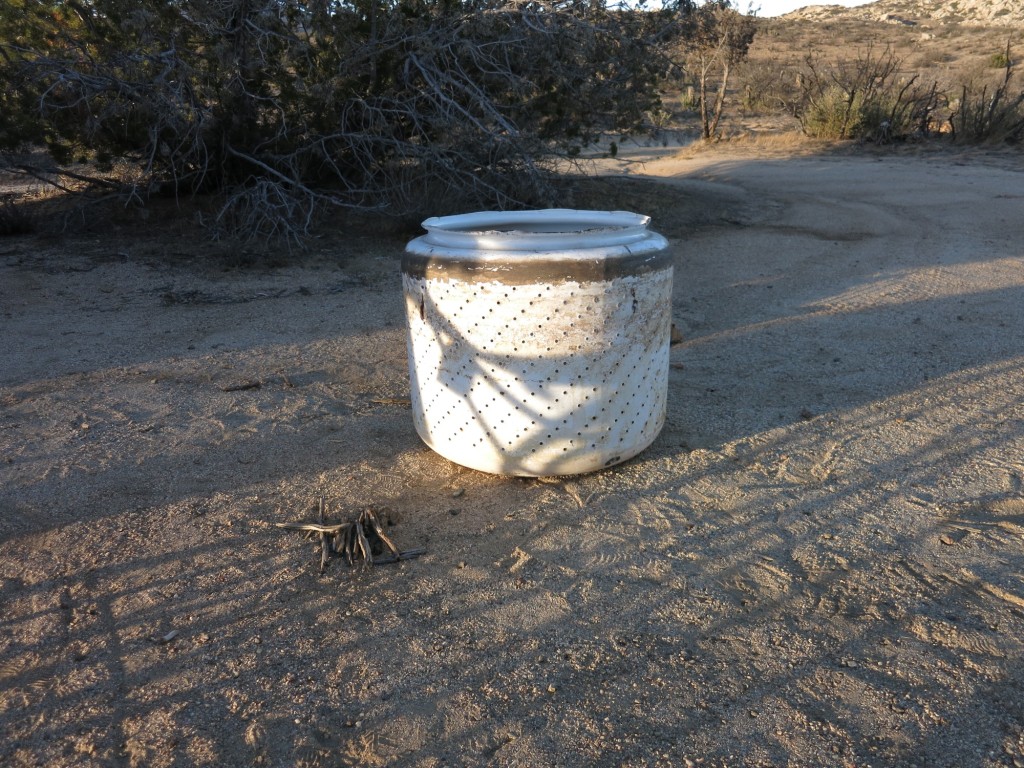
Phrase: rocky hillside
[1008,13]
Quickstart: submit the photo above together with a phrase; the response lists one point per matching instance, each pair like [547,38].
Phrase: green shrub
[832,114]
[865,99]
[839,114]
[999,61]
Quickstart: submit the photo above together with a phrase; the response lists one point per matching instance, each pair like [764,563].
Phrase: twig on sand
[408,554]
[356,541]
[325,546]
[391,400]
[241,387]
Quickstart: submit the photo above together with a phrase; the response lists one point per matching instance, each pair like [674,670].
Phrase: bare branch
[284,107]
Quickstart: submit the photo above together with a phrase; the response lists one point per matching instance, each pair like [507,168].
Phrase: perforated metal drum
[538,340]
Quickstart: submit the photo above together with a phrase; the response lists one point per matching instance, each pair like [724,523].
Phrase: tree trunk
[720,100]
[705,121]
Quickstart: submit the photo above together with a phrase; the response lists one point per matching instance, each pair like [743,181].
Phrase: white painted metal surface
[538,341]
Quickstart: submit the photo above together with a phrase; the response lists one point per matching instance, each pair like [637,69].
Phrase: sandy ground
[819,562]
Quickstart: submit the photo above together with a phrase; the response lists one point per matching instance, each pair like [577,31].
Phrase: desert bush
[283,107]
[999,61]
[832,113]
[866,98]
[767,86]
[932,57]
[989,113]
[688,100]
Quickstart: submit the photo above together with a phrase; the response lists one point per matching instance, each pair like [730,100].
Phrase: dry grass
[788,142]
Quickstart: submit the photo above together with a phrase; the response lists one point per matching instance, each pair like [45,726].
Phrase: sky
[777,7]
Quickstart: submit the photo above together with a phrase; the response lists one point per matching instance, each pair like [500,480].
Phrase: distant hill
[1004,13]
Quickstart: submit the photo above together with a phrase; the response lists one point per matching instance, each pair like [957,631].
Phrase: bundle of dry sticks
[361,541]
